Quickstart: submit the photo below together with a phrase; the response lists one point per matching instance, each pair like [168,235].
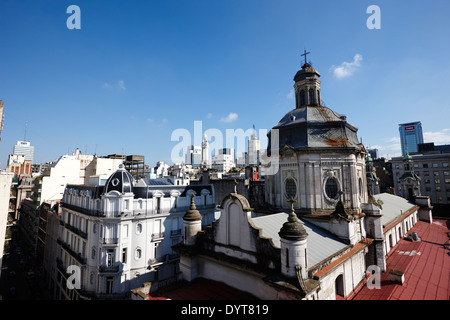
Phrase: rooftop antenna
[25,136]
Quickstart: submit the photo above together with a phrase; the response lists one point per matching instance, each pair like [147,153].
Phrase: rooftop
[321,243]
[426,266]
[393,206]
[200,289]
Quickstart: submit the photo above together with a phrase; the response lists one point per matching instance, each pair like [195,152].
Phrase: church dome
[121,181]
[315,127]
[307,71]
[407,157]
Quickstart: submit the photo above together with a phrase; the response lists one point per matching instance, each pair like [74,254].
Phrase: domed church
[320,158]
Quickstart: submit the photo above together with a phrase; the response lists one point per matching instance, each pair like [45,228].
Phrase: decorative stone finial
[293,229]
[192,213]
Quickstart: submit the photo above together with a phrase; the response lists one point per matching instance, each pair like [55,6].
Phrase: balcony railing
[165,258]
[157,236]
[76,231]
[110,240]
[74,254]
[109,269]
[91,212]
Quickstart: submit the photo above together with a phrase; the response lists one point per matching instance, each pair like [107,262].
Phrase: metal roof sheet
[393,206]
[321,243]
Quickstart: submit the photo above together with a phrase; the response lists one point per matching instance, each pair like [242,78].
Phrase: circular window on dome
[290,189]
[331,188]
[115,182]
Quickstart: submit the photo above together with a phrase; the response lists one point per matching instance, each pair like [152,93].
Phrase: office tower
[410,136]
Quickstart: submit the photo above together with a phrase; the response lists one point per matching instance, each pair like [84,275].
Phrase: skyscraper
[410,136]
[24,148]
[205,151]
[253,150]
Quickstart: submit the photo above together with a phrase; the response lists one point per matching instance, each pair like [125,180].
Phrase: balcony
[157,236]
[109,269]
[165,258]
[76,231]
[110,241]
[90,212]
[74,254]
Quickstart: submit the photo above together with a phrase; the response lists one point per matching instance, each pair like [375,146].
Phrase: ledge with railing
[74,254]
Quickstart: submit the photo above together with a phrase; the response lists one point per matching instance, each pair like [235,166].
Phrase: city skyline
[133,74]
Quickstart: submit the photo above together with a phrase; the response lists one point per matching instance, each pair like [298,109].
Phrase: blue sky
[138,70]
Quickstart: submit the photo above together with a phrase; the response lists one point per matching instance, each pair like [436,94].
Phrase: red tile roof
[426,266]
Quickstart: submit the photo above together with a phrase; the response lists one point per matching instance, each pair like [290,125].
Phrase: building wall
[434,171]
[310,172]
[242,279]
[96,242]
[352,272]
[394,233]
[5,190]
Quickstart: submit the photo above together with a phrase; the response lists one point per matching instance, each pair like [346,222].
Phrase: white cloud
[209,116]
[290,94]
[230,118]
[346,69]
[150,120]
[392,146]
[122,85]
[440,137]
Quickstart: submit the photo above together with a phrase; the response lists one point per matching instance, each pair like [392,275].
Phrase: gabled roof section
[393,207]
[321,243]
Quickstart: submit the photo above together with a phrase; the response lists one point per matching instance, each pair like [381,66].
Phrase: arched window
[318,98]
[302,98]
[311,96]
[339,285]
[138,253]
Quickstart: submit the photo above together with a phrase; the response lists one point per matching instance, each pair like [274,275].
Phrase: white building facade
[224,160]
[119,235]
[24,148]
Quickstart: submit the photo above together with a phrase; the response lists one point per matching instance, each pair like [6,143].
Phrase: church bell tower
[307,85]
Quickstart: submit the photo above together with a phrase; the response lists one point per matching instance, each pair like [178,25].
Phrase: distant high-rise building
[410,136]
[223,161]
[373,153]
[194,156]
[205,151]
[24,148]
[253,150]
[1,117]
